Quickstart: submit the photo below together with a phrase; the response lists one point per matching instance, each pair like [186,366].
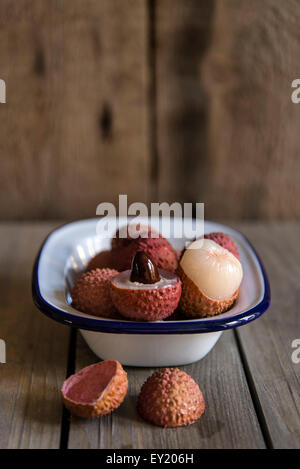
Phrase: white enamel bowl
[65,254]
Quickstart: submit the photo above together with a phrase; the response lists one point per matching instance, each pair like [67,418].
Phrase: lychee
[225,241]
[158,248]
[95,390]
[128,233]
[211,277]
[170,398]
[178,315]
[145,293]
[101,260]
[91,293]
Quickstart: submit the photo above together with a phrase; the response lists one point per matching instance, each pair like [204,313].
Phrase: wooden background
[185,100]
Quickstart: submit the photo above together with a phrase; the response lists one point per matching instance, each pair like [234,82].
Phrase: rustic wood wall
[164,100]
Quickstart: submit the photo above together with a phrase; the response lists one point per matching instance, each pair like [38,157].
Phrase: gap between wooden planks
[37,350]
[229,420]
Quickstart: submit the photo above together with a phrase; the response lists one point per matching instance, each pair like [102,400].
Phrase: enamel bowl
[65,254]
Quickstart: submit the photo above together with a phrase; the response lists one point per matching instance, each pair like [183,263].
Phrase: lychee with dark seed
[145,292]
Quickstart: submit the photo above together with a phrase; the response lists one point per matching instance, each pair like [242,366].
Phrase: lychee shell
[195,304]
[161,251]
[108,400]
[91,293]
[170,398]
[225,241]
[148,304]
[124,241]
[101,260]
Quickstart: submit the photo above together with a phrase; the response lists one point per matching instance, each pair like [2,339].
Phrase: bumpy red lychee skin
[225,241]
[178,314]
[195,304]
[170,398]
[151,304]
[159,249]
[106,395]
[91,293]
[145,231]
[101,260]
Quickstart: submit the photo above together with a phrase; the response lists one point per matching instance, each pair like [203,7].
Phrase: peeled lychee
[170,398]
[101,260]
[211,277]
[145,293]
[95,390]
[225,241]
[91,293]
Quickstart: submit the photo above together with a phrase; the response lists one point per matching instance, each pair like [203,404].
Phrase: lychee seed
[144,269]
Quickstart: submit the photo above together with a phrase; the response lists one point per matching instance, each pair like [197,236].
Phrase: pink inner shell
[88,385]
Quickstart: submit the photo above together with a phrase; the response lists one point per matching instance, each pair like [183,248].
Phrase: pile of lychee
[169,398]
[144,278]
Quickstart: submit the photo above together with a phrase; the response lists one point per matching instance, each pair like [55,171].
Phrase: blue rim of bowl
[159,327]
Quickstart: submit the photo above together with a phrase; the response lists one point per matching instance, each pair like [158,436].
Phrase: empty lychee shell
[225,241]
[91,293]
[211,277]
[95,390]
[101,260]
[159,249]
[170,398]
[146,302]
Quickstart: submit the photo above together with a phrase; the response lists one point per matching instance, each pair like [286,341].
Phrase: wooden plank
[74,130]
[30,405]
[183,31]
[225,120]
[267,342]
[228,422]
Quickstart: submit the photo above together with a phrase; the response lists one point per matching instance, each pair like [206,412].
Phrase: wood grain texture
[184,101]
[267,343]
[183,35]
[228,133]
[30,405]
[229,420]
[36,348]
[74,130]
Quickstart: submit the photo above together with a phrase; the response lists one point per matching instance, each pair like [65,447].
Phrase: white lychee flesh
[167,279]
[215,271]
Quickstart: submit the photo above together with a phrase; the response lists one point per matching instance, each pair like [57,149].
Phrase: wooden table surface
[249,380]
